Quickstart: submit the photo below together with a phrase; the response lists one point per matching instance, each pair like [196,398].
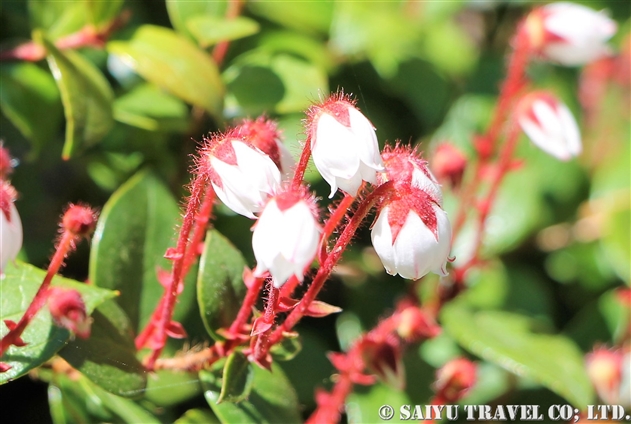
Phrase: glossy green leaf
[220,287]
[180,11]
[209,30]
[272,399]
[510,341]
[197,416]
[363,406]
[172,62]
[134,230]
[261,82]
[310,17]
[57,18]
[108,357]
[102,12]
[30,100]
[238,374]
[168,388]
[18,287]
[126,409]
[150,108]
[69,402]
[85,94]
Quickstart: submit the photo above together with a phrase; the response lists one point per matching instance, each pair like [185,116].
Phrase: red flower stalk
[78,221]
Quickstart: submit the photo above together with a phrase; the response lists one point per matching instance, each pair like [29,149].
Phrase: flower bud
[79,220]
[6,162]
[68,311]
[568,33]
[286,237]
[264,134]
[383,357]
[10,225]
[343,144]
[454,379]
[610,372]
[242,176]
[549,124]
[449,164]
[405,168]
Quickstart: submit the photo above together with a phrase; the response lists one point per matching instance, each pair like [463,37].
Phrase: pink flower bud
[344,145]
[242,176]
[10,225]
[412,235]
[286,237]
[264,134]
[449,164]
[80,220]
[549,124]
[383,357]
[454,379]
[6,162]
[568,33]
[68,311]
[606,368]
[406,168]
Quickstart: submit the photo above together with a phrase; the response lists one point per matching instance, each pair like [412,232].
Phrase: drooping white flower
[242,176]
[412,235]
[549,124]
[343,144]
[570,34]
[10,226]
[285,237]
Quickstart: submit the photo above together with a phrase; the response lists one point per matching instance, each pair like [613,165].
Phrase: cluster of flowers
[246,166]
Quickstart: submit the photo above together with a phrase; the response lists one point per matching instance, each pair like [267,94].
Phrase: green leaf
[508,340]
[133,232]
[209,30]
[260,82]
[108,357]
[238,374]
[102,12]
[30,100]
[220,287]
[85,94]
[272,399]
[362,406]
[57,18]
[150,108]
[197,416]
[18,287]
[287,349]
[310,17]
[172,62]
[180,11]
[168,388]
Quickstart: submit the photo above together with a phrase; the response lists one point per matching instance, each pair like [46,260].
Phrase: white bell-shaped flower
[412,236]
[343,144]
[286,236]
[242,176]
[549,124]
[570,34]
[10,226]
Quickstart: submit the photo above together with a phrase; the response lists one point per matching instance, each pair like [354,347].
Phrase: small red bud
[454,379]
[68,311]
[79,220]
[449,164]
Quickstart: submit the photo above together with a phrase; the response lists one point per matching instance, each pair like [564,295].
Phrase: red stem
[161,318]
[327,267]
[299,173]
[246,307]
[65,245]
[262,342]
[514,82]
[201,226]
[87,36]
[220,50]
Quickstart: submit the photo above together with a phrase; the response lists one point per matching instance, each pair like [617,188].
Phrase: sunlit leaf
[510,340]
[85,94]
[209,30]
[18,286]
[172,62]
[237,378]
